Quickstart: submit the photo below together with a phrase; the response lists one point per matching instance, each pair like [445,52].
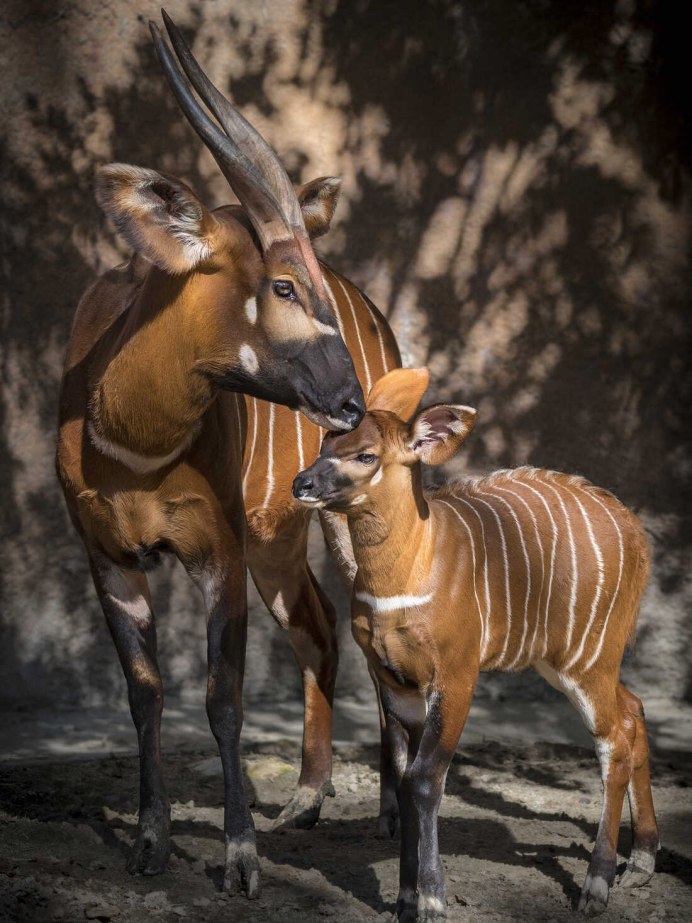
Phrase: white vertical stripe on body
[484,642]
[335,309]
[380,339]
[270,458]
[366,367]
[485,569]
[552,561]
[597,653]
[542,556]
[505,560]
[528,576]
[575,569]
[299,434]
[252,444]
[599,585]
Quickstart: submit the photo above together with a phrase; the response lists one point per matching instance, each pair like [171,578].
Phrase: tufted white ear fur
[437,432]
[318,200]
[158,215]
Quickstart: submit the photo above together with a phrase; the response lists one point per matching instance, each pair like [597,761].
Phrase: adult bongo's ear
[318,200]
[159,216]
[437,432]
[399,391]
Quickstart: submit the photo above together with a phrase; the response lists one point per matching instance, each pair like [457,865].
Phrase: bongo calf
[524,567]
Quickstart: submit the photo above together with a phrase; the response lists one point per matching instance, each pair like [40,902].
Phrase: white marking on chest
[140,464]
[251,310]
[248,359]
[392,603]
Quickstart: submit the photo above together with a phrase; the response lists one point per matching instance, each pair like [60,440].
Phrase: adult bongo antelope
[212,306]
[521,568]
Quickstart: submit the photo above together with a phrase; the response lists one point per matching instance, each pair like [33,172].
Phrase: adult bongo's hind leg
[645,843]
[291,593]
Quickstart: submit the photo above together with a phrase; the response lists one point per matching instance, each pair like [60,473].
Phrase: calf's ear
[437,432]
[399,391]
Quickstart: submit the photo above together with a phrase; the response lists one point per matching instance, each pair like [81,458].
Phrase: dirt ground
[517,823]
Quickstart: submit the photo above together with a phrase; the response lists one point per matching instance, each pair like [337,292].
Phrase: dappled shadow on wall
[513,201]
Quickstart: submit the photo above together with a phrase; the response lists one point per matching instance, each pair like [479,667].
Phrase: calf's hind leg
[612,735]
[645,843]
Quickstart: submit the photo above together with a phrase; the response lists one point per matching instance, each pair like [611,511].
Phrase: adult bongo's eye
[366,459]
[283,288]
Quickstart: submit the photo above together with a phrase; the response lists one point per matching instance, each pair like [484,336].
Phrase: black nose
[352,412]
[302,486]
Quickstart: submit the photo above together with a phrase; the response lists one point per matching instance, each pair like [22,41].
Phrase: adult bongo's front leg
[124,596]
[226,641]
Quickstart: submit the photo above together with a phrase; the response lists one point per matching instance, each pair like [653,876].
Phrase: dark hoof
[388,825]
[150,853]
[303,810]
[594,896]
[406,910]
[242,870]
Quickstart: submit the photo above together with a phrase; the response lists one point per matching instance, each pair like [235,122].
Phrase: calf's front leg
[420,793]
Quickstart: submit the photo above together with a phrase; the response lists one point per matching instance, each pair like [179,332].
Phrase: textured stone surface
[515,199]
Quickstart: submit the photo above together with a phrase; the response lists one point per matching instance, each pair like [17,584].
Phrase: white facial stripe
[392,603]
[251,310]
[248,359]
[377,477]
[325,328]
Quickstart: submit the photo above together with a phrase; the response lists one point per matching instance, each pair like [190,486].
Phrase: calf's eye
[366,459]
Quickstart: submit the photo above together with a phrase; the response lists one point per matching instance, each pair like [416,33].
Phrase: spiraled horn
[238,129]
[249,185]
